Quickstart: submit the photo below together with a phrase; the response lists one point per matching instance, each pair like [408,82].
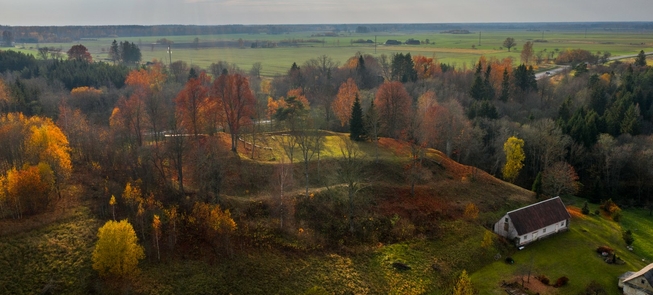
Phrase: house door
[534,236]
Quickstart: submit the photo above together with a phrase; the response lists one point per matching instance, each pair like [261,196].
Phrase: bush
[628,237]
[610,207]
[586,209]
[543,279]
[509,260]
[616,216]
[605,249]
[561,281]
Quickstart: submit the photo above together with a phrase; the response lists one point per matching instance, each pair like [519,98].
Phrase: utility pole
[374,44]
[169,57]
[479,38]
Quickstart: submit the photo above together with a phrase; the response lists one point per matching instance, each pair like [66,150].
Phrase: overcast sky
[211,12]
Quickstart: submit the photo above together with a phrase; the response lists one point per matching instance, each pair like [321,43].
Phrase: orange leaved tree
[237,102]
[393,104]
[344,101]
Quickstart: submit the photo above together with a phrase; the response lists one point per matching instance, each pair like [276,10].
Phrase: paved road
[562,68]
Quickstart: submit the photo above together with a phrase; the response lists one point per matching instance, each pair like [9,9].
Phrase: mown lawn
[572,254]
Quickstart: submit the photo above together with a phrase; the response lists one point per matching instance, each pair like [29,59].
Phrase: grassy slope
[572,254]
[448,48]
[58,255]
[61,251]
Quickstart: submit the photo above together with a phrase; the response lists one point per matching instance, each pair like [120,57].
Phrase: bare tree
[350,172]
[282,181]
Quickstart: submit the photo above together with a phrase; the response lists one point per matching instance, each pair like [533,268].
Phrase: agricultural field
[459,50]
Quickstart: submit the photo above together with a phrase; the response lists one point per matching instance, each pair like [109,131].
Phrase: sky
[218,12]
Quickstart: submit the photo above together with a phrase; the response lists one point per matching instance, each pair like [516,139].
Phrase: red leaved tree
[192,101]
[79,51]
[393,104]
[237,102]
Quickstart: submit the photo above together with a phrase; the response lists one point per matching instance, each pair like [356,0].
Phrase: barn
[533,222]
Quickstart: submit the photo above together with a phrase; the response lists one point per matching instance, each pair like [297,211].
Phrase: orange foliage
[426,67]
[298,93]
[4,96]
[344,101]
[192,103]
[84,90]
[28,190]
[149,80]
[237,101]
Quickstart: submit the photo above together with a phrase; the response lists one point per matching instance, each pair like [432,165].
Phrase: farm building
[533,222]
[639,283]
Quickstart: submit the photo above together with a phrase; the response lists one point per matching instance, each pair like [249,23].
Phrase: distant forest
[36,34]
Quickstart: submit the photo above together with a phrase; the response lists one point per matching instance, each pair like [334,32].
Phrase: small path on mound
[515,291]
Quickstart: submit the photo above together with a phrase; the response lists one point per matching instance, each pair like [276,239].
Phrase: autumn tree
[514,150]
[117,251]
[560,179]
[509,43]
[28,190]
[394,104]
[237,102]
[156,227]
[344,100]
[192,102]
[463,285]
[79,52]
[426,67]
[471,211]
[487,241]
[527,53]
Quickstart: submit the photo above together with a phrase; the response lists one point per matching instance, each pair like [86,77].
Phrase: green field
[454,49]
[572,254]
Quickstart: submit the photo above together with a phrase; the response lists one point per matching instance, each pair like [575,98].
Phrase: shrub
[561,281]
[543,279]
[616,216]
[586,209]
[628,237]
[605,249]
[610,207]
[509,260]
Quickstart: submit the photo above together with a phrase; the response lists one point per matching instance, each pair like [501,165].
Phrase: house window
[544,230]
[506,226]
[643,282]
[563,223]
[506,219]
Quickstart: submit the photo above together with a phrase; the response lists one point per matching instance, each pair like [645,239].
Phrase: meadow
[459,50]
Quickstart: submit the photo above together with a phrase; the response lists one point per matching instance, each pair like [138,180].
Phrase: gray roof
[646,272]
[539,215]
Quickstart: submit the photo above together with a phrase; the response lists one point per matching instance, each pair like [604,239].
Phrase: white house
[639,283]
[533,222]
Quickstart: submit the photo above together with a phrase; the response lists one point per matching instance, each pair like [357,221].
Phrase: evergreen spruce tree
[356,126]
[505,86]
[537,185]
[641,59]
[488,90]
[114,52]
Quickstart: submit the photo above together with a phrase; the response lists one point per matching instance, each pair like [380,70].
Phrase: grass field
[454,49]
[572,254]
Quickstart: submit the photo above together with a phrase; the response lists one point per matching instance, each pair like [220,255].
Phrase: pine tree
[537,185]
[505,86]
[640,61]
[488,90]
[356,127]
[463,285]
[114,52]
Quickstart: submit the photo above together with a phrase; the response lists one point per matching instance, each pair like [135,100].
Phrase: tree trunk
[351,209]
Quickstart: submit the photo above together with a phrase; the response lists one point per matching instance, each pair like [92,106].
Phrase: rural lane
[561,68]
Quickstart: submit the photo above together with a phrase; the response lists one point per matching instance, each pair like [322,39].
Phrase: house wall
[641,286]
[499,228]
[628,290]
[543,232]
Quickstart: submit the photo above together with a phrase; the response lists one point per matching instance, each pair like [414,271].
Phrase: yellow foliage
[84,90]
[117,251]
[487,240]
[514,149]
[132,195]
[28,190]
[47,143]
[112,202]
[471,211]
[463,285]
